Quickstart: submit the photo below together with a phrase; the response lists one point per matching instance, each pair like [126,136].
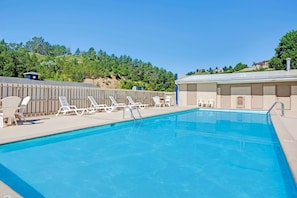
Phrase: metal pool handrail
[282,106]
[130,109]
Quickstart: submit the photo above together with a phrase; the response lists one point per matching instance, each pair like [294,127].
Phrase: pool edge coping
[288,142]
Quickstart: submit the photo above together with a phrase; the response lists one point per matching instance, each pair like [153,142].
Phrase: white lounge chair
[99,107]
[10,105]
[115,104]
[136,104]
[157,101]
[67,108]
[22,107]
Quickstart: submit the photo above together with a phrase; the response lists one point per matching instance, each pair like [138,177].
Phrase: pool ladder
[282,106]
[129,107]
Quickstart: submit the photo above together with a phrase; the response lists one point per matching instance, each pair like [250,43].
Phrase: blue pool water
[197,153]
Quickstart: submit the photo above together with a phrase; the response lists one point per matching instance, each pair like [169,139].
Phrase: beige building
[249,90]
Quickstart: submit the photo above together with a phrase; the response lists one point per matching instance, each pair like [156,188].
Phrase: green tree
[225,69]
[287,48]
[37,45]
[210,70]
[276,63]
[240,66]
[77,52]
[91,54]
[55,62]
[190,73]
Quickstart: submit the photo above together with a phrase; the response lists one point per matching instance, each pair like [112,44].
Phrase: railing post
[282,107]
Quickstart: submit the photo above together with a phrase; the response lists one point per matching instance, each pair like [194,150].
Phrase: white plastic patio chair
[20,113]
[210,103]
[99,107]
[10,105]
[168,101]
[201,103]
[157,101]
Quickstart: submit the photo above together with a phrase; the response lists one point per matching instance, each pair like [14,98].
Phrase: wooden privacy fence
[45,98]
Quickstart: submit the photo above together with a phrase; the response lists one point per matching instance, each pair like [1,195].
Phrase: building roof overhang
[239,78]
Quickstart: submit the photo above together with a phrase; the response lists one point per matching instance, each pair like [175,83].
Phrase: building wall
[257,96]
[207,92]
[203,91]
[283,93]
[224,96]
[191,94]
[294,97]
[182,95]
[241,96]
[245,96]
[268,95]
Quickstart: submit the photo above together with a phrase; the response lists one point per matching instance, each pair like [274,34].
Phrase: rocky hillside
[111,83]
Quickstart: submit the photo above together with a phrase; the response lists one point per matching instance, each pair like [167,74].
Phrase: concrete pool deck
[48,125]
[285,127]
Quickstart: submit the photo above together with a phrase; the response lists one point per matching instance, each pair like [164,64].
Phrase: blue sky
[177,35]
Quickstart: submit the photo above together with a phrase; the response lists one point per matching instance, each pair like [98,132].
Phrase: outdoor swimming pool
[196,153]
